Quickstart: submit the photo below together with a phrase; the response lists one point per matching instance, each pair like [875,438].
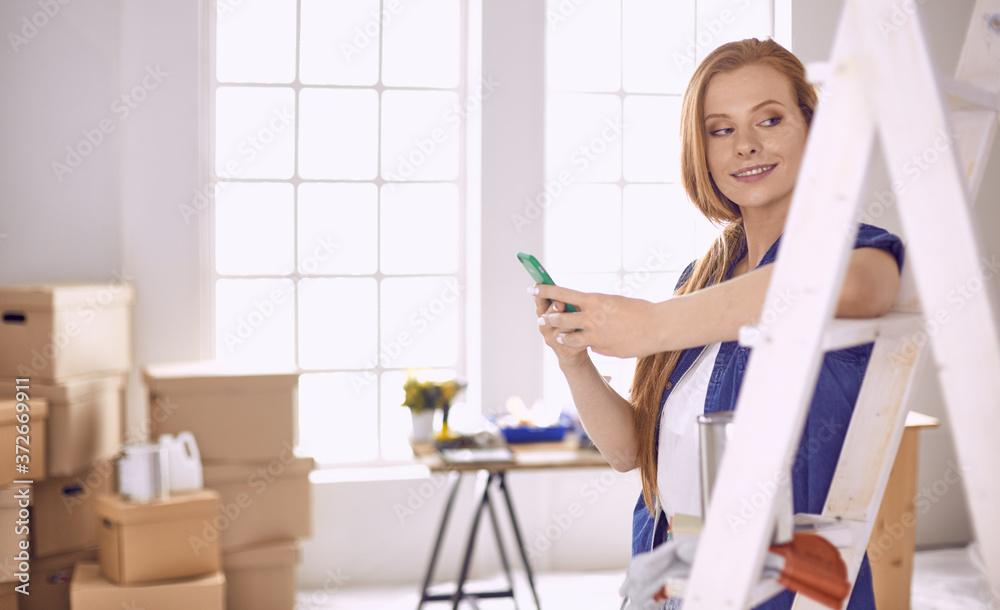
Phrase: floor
[950,579]
[946,579]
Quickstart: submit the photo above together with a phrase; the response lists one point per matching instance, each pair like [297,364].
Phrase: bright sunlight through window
[617,220]
[338,140]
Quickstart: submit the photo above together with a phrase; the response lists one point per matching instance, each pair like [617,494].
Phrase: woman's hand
[567,355]
[607,416]
[611,325]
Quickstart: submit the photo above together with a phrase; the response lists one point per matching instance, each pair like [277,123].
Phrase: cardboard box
[262,577]
[85,420]
[14,535]
[64,513]
[9,598]
[141,543]
[90,591]
[50,578]
[235,416]
[31,450]
[51,332]
[262,502]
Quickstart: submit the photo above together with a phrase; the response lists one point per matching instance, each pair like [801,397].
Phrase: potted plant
[423,397]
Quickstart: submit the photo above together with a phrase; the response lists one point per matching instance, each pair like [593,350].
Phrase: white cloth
[678,464]
[649,572]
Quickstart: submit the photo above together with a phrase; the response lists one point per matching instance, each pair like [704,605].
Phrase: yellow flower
[420,395]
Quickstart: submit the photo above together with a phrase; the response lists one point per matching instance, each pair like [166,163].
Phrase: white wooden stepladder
[881,79]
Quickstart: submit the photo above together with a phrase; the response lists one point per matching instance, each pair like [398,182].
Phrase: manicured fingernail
[532,290]
[559,339]
[541,321]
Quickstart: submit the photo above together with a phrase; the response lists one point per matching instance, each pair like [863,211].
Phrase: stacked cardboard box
[13,538]
[64,531]
[55,332]
[142,543]
[67,349]
[50,580]
[22,440]
[8,597]
[152,555]
[245,428]
[90,591]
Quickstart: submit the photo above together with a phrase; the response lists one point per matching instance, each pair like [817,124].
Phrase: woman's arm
[619,326]
[605,414]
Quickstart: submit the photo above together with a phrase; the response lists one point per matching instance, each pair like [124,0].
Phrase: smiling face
[755,135]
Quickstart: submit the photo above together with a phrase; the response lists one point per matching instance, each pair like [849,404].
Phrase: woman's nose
[747,144]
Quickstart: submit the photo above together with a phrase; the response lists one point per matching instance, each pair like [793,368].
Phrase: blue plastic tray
[530,434]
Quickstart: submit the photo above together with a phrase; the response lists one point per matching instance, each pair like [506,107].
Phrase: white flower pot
[423,424]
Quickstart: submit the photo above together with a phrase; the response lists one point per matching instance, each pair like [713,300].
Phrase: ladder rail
[908,111]
[730,554]
[851,495]
[870,446]
[966,349]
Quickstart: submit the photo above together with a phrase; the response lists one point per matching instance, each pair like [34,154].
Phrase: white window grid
[398,453]
[623,62]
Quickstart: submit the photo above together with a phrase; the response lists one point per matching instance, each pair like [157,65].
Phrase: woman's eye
[771,122]
[721,132]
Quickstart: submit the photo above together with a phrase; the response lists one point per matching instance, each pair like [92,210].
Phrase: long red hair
[653,372]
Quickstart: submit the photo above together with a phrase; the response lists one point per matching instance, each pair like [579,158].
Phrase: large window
[616,218]
[338,140]
[339,144]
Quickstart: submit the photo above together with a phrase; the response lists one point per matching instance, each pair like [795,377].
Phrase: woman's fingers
[541,306]
[574,339]
[558,293]
[544,305]
[563,321]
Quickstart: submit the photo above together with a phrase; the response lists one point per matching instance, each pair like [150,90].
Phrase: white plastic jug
[185,461]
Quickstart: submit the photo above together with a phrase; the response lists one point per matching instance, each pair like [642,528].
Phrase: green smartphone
[539,274]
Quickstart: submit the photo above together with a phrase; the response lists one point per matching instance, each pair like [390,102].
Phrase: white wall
[512,164]
[60,81]
[160,169]
[115,214]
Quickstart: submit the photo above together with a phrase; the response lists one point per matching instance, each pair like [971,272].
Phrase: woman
[744,123]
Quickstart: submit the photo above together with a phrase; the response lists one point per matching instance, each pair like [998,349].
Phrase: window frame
[466,183]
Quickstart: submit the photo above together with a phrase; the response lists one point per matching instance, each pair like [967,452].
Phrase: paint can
[144,472]
[714,430]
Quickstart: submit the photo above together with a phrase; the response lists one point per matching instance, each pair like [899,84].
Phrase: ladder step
[844,332]
[764,590]
[964,95]
[960,94]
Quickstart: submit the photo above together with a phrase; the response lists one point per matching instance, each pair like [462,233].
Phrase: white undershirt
[677,472]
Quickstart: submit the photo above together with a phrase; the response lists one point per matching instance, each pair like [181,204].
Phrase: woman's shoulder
[871,236]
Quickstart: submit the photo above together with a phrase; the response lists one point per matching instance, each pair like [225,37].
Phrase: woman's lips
[755,173]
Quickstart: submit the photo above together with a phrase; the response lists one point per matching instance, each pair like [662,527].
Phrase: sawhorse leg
[456,479]
[517,535]
[470,546]
[500,546]
[485,501]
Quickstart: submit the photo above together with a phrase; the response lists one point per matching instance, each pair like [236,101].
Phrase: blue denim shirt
[826,425]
